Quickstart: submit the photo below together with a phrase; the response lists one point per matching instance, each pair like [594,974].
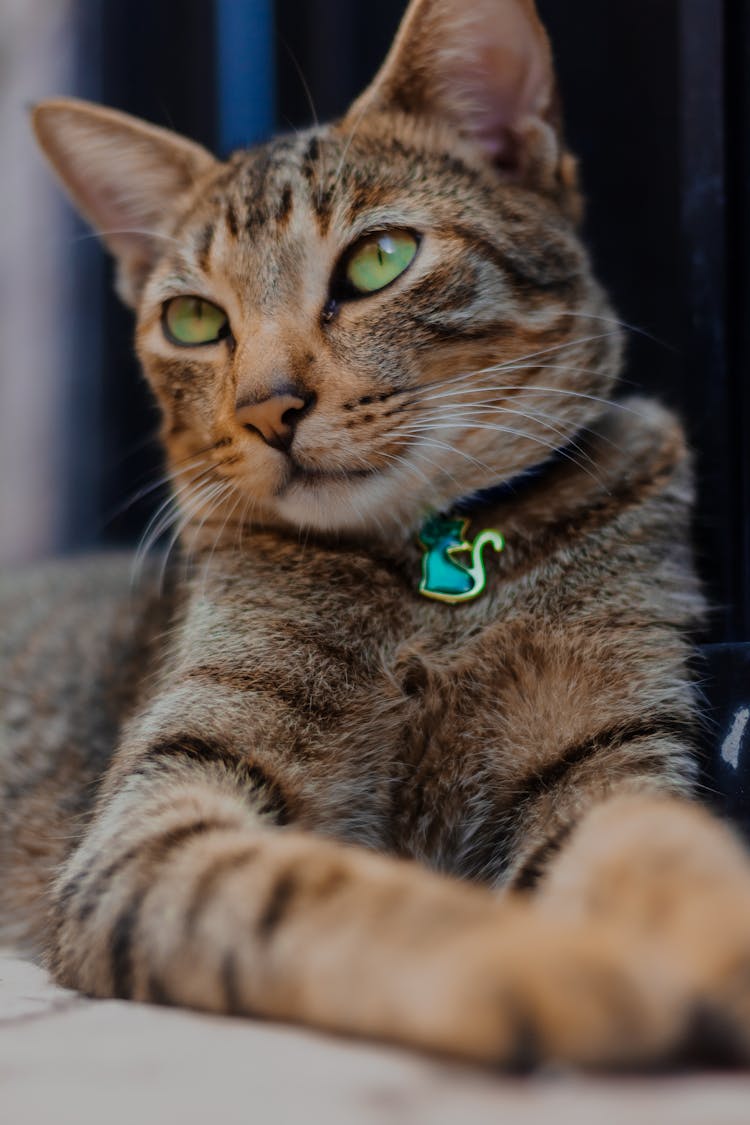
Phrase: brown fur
[228,794]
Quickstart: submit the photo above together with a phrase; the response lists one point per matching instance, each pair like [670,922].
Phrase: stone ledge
[66,1060]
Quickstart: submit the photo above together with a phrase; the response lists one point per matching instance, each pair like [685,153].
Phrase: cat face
[352,327]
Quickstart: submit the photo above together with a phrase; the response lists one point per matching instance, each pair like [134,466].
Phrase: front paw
[536,995]
[718,1025]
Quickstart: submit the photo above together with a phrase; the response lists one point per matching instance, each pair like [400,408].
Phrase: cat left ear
[127,178]
[485,67]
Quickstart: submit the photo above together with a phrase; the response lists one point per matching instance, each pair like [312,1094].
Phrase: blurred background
[658,107]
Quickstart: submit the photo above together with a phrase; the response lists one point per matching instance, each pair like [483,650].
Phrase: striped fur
[287,786]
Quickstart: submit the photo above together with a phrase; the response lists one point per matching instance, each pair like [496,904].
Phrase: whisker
[212,500]
[535,388]
[250,505]
[163,517]
[355,126]
[147,539]
[125,230]
[192,504]
[204,498]
[441,469]
[502,370]
[513,433]
[468,410]
[634,328]
[136,447]
[183,523]
[303,81]
[227,518]
[309,98]
[160,482]
[365,463]
[518,363]
[168,513]
[406,464]
[435,444]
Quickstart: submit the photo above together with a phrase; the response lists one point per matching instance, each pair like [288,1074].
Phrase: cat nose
[275,418]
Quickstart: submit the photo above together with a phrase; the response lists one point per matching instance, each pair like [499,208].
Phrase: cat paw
[718,1024]
[582,999]
[609,1002]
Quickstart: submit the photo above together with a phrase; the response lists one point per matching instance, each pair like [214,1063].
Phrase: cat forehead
[273,219]
[337,175]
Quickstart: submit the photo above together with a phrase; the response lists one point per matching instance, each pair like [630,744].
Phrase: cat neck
[515,487]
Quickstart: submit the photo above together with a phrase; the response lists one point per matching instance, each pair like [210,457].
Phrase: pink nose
[275,418]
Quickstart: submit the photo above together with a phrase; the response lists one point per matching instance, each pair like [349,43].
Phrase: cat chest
[401,741]
[418,766]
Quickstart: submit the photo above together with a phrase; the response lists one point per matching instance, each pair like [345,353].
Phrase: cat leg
[183,891]
[674,882]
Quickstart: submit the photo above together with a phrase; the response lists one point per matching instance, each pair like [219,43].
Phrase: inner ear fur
[485,67]
[125,177]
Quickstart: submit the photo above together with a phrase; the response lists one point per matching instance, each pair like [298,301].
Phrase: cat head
[351,327]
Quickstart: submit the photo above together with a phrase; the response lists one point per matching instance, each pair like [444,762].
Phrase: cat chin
[372,505]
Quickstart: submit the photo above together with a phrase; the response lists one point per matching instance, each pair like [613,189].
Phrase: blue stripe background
[246,76]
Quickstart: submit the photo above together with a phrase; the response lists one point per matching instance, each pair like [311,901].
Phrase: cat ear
[125,177]
[484,66]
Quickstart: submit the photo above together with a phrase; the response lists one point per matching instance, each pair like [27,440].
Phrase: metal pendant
[445,576]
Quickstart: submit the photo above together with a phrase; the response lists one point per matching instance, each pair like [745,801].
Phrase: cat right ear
[124,176]
[485,67]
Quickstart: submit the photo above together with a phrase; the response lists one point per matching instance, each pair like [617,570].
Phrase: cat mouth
[305,476]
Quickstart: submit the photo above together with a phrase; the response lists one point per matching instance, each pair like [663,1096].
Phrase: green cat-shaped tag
[445,578]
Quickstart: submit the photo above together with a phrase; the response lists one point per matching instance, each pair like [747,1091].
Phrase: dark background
[656,95]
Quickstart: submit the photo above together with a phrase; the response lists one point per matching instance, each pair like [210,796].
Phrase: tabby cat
[344,766]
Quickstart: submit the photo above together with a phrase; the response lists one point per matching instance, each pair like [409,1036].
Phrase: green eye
[191,320]
[380,259]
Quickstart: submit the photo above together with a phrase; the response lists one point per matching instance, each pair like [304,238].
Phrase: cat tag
[446,577]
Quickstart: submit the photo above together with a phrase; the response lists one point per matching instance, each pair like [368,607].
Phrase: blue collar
[510,489]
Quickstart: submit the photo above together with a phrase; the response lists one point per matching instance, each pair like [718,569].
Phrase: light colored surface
[65,1059]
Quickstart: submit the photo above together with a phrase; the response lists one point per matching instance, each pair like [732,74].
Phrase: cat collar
[446,576]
